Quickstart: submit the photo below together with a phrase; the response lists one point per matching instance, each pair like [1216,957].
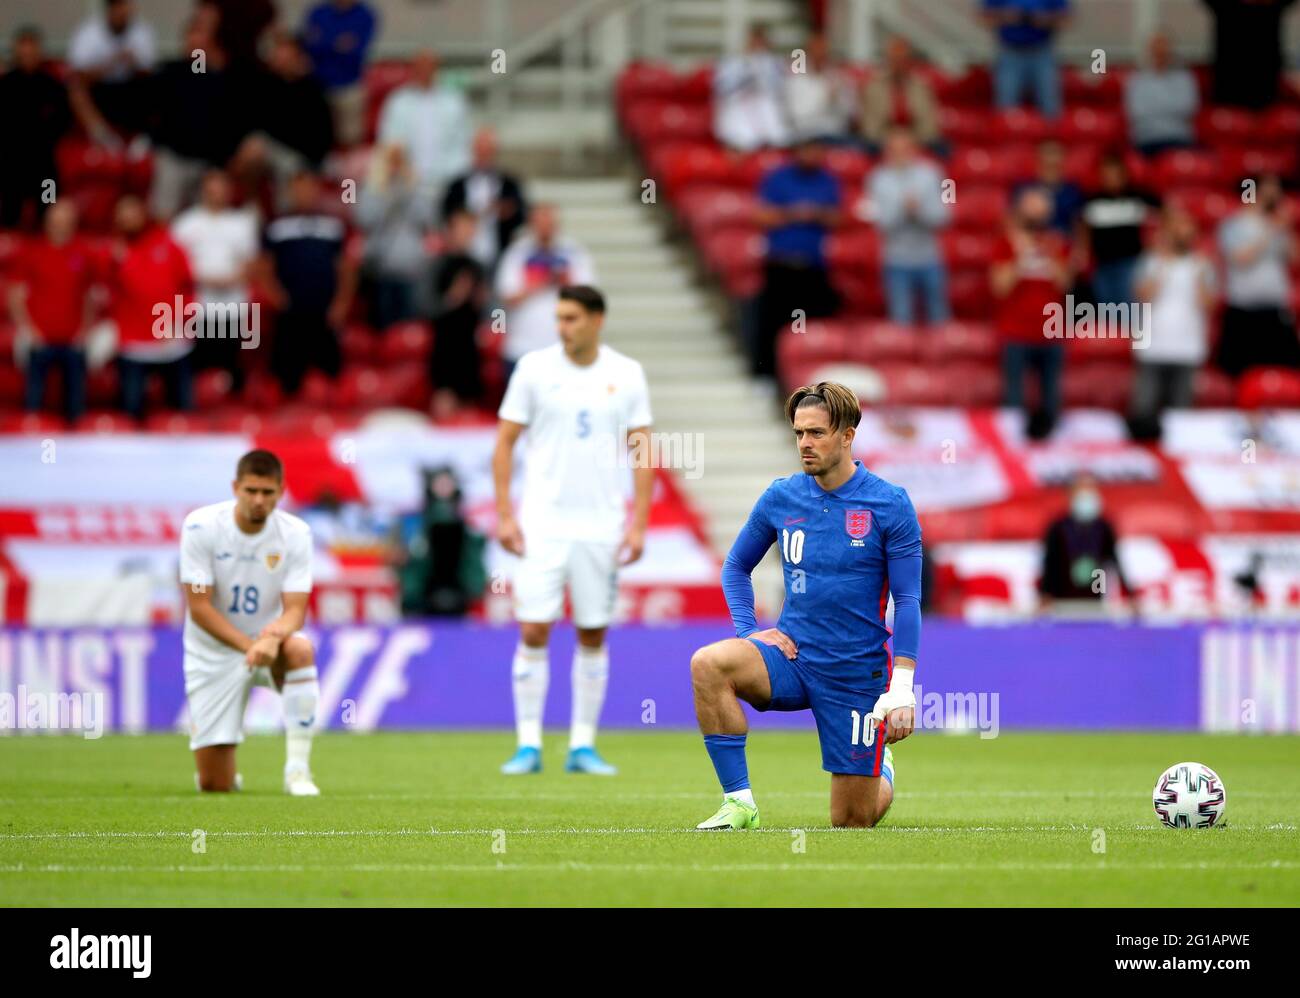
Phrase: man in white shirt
[584,406]
[245,569]
[108,54]
[748,96]
[432,122]
[538,263]
[1179,284]
[222,244]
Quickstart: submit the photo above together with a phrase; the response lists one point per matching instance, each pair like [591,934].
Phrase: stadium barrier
[1047,676]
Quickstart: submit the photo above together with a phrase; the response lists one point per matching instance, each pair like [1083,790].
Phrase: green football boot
[734,814]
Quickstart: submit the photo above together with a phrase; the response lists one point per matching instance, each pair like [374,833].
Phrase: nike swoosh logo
[789,521]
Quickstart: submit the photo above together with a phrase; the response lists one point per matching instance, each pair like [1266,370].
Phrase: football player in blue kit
[848,541]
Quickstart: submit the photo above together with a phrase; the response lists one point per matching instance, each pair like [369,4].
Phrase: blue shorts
[843,715]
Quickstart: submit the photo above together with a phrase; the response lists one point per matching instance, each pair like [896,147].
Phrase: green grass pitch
[425,819]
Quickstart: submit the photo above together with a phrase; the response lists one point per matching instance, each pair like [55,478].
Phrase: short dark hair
[585,295]
[26,32]
[262,463]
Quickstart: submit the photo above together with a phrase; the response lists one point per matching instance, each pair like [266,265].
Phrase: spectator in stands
[495,199]
[1179,283]
[337,34]
[1079,550]
[1065,196]
[1111,222]
[900,95]
[34,106]
[907,202]
[239,27]
[1026,60]
[433,121]
[818,97]
[538,263]
[1030,272]
[195,120]
[311,280]
[109,55]
[460,290]
[50,304]
[1247,51]
[1161,101]
[222,244]
[396,218]
[1258,245]
[799,203]
[294,128]
[148,270]
[748,97]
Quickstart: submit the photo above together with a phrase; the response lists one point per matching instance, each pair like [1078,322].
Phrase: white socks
[746,795]
[299,695]
[590,676]
[530,674]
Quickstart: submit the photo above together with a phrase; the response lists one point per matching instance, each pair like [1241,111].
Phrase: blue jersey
[842,554]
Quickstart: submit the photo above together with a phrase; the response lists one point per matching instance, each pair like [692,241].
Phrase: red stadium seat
[1185,167]
[1021,125]
[1280,125]
[1081,86]
[983,208]
[211,388]
[957,340]
[979,164]
[876,341]
[1226,126]
[98,421]
[405,343]
[1269,388]
[966,124]
[1088,124]
[854,251]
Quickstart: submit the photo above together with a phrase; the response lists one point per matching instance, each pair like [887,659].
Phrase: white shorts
[217,691]
[588,568]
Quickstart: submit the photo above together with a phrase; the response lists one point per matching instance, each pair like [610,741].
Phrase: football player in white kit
[584,406]
[246,573]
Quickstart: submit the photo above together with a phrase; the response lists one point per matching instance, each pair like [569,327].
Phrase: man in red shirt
[151,284]
[1029,272]
[50,304]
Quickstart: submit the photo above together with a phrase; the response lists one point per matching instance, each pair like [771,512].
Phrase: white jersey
[246,574]
[576,464]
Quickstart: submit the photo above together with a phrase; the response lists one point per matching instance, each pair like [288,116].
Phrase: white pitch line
[526,796]
[798,866]
[418,832]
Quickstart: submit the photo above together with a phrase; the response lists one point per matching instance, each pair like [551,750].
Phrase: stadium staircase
[698,381]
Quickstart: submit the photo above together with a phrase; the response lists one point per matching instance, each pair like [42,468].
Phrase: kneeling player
[848,540]
[246,572]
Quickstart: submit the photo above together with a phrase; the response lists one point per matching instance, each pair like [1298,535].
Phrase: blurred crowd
[261,171]
[1112,244]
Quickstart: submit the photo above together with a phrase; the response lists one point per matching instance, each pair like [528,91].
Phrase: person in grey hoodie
[1161,101]
[395,216]
[905,197]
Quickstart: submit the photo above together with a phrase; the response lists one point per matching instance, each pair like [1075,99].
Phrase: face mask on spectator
[1085,505]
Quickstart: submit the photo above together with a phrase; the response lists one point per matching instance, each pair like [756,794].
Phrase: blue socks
[728,755]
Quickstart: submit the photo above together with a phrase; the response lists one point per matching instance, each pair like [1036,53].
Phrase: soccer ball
[1189,795]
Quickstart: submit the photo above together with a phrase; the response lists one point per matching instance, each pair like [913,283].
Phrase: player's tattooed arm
[198,599]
